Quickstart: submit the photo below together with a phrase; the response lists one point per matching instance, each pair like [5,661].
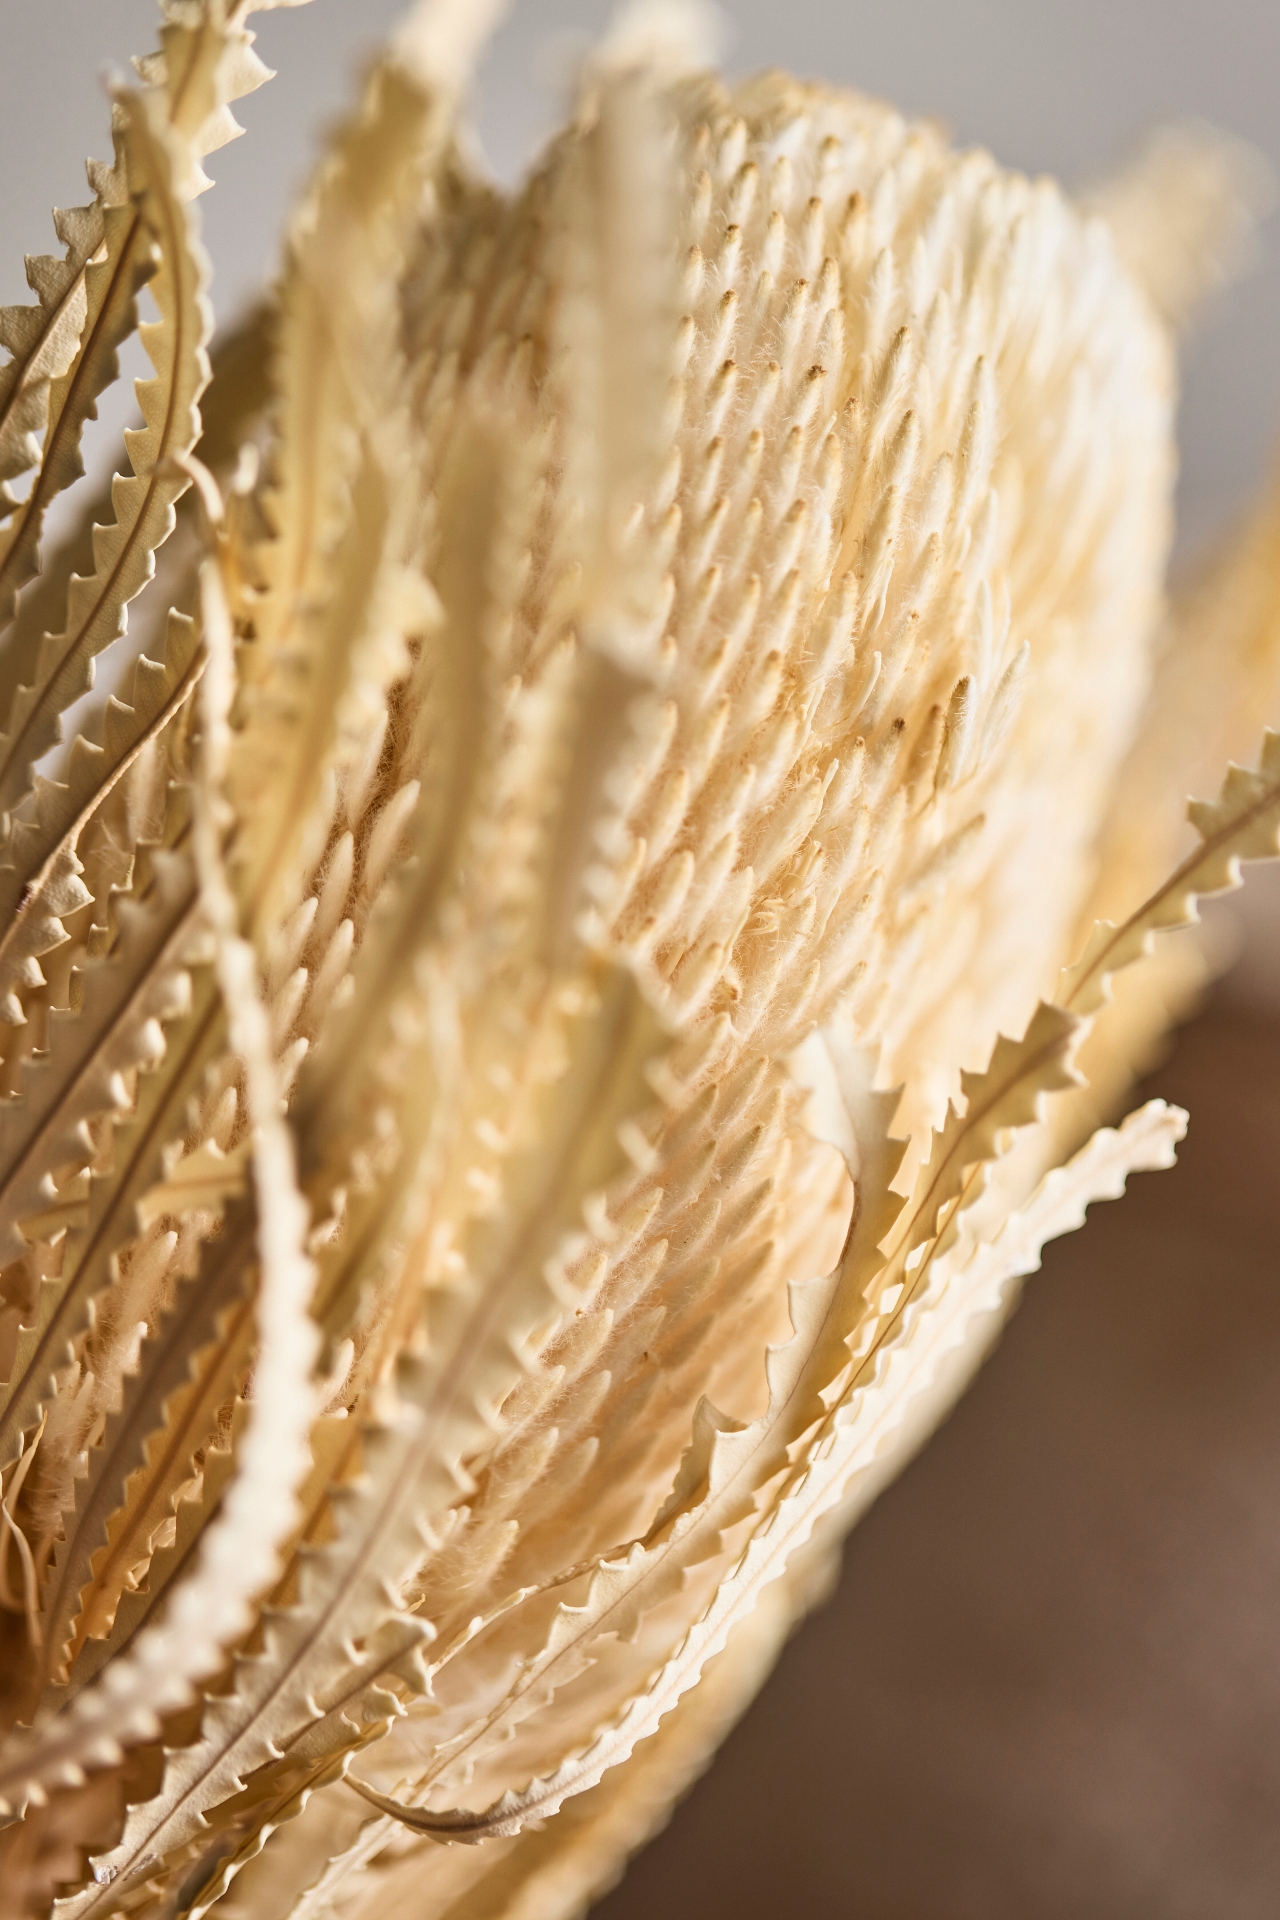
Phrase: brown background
[1049,1684]
[1048,1687]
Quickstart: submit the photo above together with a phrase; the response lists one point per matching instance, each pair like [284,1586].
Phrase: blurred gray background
[1068,87]
[1049,1685]
[1063,86]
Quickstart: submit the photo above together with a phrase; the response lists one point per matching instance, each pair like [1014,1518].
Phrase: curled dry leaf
[525,1099]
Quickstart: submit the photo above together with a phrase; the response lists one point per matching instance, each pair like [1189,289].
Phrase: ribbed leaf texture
[549,1015]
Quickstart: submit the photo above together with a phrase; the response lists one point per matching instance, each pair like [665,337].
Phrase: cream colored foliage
[683,653]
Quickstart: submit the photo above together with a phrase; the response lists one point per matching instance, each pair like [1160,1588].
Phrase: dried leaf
[673,657]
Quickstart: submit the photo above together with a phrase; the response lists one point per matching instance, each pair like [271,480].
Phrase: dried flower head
[548,1011]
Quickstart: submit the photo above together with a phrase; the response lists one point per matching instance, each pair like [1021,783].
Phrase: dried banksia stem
[547,1013]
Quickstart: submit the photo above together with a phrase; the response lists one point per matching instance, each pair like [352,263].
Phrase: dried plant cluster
[548,1010]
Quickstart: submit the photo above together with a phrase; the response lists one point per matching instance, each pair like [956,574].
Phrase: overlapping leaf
[679,652]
